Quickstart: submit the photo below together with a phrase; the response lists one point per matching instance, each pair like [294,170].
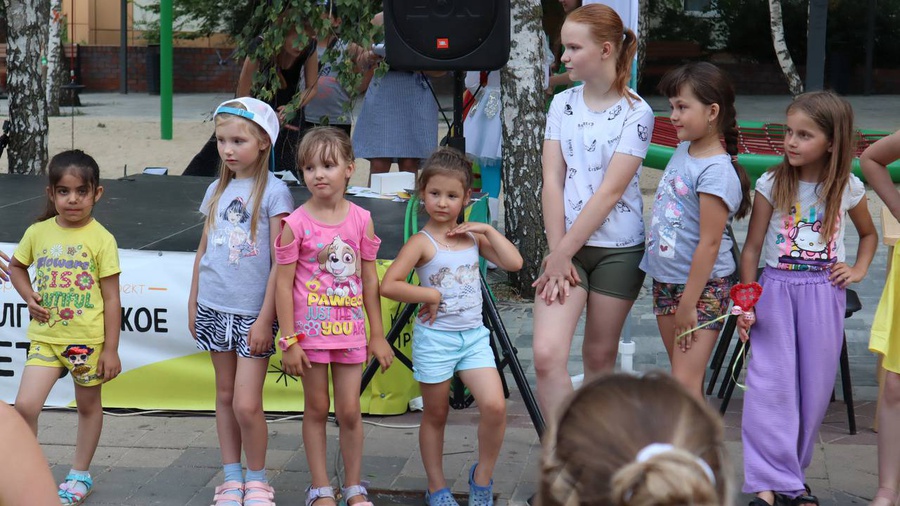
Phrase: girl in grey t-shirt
[688,250]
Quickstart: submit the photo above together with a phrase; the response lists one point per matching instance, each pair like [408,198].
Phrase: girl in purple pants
[797,224]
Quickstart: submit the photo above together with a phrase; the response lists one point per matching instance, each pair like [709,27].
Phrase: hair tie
[654,449]
[734,159]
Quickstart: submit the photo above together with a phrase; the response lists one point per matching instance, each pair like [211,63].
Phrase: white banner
[154,291]
[161,366]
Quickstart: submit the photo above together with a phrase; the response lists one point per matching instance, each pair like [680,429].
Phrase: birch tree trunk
[776,23]
[523,136]
[27,23]
[54,54]
[643,36]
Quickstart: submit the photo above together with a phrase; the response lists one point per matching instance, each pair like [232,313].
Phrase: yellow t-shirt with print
[69,263]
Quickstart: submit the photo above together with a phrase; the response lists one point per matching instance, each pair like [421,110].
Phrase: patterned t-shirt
[69,264]
[588,140]
[234,271]
[328,295]
[675,226]
[794,240]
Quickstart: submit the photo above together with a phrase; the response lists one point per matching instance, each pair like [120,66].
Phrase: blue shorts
[437,354]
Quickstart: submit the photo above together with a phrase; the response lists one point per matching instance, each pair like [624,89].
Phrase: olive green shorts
[611,271]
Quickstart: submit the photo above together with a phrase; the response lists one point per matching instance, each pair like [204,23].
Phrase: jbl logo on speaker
[479,29]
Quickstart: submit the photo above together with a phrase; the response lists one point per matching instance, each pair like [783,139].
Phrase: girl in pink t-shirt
[326,277]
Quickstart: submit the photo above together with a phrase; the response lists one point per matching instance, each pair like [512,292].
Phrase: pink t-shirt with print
[328,296]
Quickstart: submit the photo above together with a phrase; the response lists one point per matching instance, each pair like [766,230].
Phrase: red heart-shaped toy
[746,295]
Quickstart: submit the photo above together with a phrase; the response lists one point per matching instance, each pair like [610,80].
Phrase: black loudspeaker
[446,34]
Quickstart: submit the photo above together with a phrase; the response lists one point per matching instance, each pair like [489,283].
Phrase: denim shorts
[437,354]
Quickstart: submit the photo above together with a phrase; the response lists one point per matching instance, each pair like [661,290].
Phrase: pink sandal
[354,491]
[230,493]
[258,493]
[886,493]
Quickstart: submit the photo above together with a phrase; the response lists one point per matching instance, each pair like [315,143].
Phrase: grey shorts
[611,271]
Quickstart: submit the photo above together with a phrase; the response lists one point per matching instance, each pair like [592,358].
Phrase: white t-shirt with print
[793,241]
[588,140]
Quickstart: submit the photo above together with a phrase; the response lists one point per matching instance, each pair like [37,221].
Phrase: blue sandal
[478,495]
[442,497]
[68,496]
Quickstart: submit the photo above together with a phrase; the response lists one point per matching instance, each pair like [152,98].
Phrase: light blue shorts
[437,354]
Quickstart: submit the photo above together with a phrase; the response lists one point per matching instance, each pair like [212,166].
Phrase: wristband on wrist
[286,342]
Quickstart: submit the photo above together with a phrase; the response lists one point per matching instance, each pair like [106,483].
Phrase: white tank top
[455,274]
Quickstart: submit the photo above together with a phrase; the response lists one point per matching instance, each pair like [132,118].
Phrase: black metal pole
[457,139]
[869,86]
[123,46]
[815,45]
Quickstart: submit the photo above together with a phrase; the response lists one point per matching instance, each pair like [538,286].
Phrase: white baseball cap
[256,111]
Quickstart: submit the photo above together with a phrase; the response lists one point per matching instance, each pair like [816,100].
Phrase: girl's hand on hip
[685,320]
[260,339]
[428,311]
[295,361]
[35,309]
[381,350]
[108,365]
[842,275]
[744,322]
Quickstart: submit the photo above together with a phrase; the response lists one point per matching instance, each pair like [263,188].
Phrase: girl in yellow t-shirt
[885,337]
[75,309]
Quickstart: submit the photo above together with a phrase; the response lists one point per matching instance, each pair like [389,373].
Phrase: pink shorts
[345,356]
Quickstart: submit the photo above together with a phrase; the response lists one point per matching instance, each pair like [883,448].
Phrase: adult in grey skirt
[399,119]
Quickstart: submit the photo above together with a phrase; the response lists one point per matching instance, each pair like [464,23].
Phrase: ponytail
[624,61]
[730,133]
[671,478]
[606,25]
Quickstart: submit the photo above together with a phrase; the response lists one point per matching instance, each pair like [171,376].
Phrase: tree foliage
[259,28]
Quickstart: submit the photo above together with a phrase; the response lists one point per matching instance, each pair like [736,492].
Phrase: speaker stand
[455,138]
[499,340]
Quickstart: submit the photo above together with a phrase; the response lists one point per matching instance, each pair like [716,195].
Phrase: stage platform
[160,213]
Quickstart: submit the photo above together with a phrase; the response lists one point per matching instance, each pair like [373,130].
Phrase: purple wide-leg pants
[795,347]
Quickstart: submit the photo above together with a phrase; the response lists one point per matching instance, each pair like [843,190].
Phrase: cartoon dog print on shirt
[339,258]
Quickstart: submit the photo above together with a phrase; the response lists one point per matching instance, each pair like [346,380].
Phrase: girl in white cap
[231,308]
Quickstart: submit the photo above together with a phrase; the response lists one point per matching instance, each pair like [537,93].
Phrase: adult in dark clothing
[297,69]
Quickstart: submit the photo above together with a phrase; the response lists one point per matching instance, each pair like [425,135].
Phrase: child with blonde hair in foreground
[659,445]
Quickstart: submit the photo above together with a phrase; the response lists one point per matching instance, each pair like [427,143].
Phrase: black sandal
[780,500]
[806,499]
